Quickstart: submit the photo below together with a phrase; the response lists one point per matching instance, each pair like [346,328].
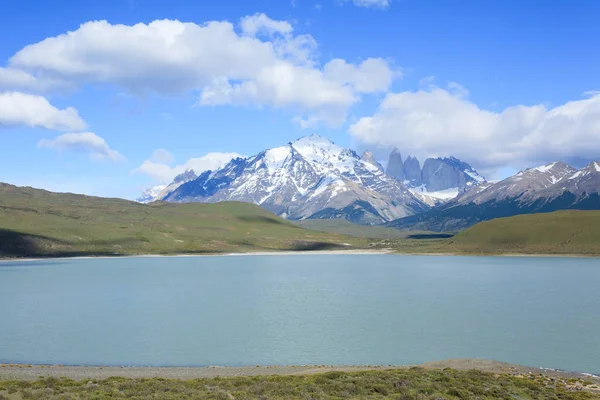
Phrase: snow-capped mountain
[159,192]
[551,187]
[440,174]
[583,183]
[526,184]
[151,194]
[439,181]
[370,158]
[309,178]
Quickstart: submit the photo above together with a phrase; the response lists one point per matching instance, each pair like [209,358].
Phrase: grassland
[407,383]
[562,232]
[35,222]
[344,227]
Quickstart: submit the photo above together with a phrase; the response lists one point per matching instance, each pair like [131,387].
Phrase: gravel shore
[33,372]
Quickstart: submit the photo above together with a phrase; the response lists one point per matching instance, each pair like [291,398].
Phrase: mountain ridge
[546,188]
[308,177]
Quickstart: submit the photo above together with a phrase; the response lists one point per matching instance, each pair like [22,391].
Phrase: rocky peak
[395,166]
[412,171]
[545,175]
[186,176]
[450,172]
[583,182]
[370,158]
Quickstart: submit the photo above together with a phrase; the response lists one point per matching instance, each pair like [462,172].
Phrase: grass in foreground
[413,383]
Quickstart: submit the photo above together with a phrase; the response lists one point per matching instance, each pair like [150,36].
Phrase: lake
[301,309]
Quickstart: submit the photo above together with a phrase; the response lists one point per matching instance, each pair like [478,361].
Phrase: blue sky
[501,84]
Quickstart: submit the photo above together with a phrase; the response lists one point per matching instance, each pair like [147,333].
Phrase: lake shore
[252,253]
[388,251]
[34,372]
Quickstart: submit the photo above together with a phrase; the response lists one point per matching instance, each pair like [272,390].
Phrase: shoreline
[300,253]
[252,253]
[35,372]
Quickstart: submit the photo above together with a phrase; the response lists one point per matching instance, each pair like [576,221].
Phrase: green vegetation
[35,222]
[413,383]
[341,226]
[561,232]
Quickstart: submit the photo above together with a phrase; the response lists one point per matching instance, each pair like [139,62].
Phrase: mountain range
[552,187]
[313,178]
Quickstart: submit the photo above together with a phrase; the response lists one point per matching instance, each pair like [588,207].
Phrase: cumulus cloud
[260,23]
[21,109]
[263,63]
[16,79]
[164,173]
[439,122]
[372,75]
[382,4]
[84,142]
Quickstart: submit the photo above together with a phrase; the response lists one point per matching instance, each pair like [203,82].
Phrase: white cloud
[372,75]
[86,142]
[382,4]
[16,79]
[161,156]
[437,122]
[264,64]
[163,173]
[260,23]
[21,109]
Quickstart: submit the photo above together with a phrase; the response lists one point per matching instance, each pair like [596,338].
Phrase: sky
[111,97]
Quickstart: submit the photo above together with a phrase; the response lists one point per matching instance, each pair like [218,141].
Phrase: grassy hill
[345,227]
[561,232]
[36,222]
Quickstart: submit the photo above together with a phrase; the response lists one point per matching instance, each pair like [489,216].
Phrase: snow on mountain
[525,184]
[150,194]
[449,172]
[303,178]
[440,179]
[582,184]
[370,158]
[159,192]
[435,198]
[551,187]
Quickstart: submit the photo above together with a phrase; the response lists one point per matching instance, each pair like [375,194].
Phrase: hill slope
[35,222]
[561,232]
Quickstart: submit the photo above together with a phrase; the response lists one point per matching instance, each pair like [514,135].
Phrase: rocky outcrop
[412,171]
[395,166]
[445,173]
[370,158]
[188,175]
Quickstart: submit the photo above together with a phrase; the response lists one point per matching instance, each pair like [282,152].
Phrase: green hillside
[36,222]
[345,227]
[561,232]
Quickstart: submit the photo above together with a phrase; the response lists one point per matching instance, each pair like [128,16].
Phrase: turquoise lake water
[304,309]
